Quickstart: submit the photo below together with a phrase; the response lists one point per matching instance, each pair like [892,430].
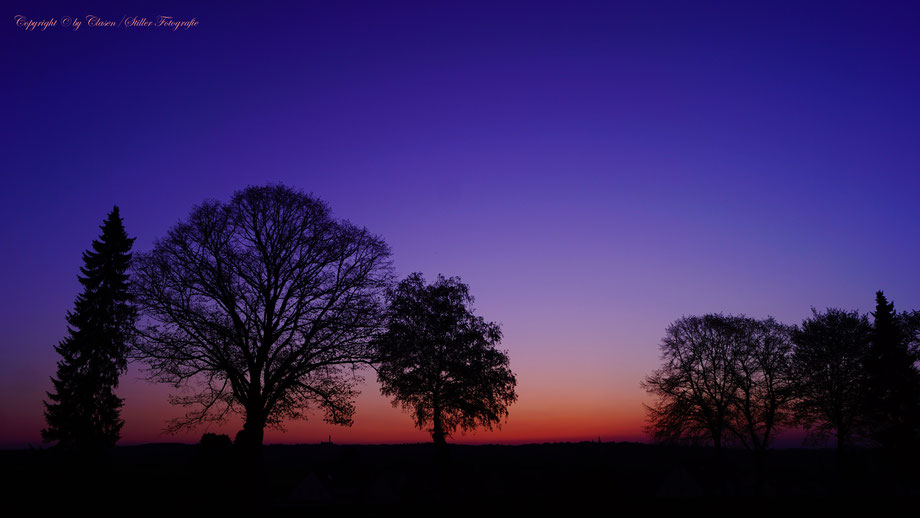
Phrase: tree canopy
[830,349]
[263,306]
[696,385]
[439,360]
[723,378]
[766,381]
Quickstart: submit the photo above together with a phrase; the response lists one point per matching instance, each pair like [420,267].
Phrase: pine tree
[893,391]
[84,412]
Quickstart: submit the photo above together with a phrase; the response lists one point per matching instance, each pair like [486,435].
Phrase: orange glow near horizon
[540,415]
[532,419]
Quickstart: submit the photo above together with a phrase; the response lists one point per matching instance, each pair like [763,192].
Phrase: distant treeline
[838,374]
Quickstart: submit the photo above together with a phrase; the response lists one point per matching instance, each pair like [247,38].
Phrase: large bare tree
[765,378]
[697,383]
[263,306]
[724,378]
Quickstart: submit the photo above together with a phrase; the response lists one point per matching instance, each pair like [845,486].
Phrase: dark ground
[177,479]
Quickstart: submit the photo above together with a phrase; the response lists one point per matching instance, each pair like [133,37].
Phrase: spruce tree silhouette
[84,412]
[893,390]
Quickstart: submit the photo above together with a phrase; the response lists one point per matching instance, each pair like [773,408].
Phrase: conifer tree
[84,412]
[893,391]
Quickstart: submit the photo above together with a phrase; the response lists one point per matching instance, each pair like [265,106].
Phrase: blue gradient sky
[593,172]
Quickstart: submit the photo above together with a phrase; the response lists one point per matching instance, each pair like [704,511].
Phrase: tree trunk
[249,441]
[840,441]
[442,467]
[437,433]
[760,470]
[253,432]
[842,469]
[437,429]
[254,427]
[716,472]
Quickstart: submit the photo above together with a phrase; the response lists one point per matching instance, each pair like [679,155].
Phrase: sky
[592,170]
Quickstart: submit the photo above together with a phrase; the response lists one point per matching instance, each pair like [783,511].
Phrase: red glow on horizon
[536,418]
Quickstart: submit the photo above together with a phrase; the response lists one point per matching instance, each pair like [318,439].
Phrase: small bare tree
[264,305]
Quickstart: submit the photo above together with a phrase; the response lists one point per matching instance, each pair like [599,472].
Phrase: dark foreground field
[177,479]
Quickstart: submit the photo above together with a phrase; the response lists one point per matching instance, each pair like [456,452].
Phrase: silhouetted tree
[697,384]
[84,411]
[264,304]
[766,389]
[439,361]
[893,381]
[724,377]
[830,376]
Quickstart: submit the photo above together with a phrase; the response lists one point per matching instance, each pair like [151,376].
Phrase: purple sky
[592,172]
